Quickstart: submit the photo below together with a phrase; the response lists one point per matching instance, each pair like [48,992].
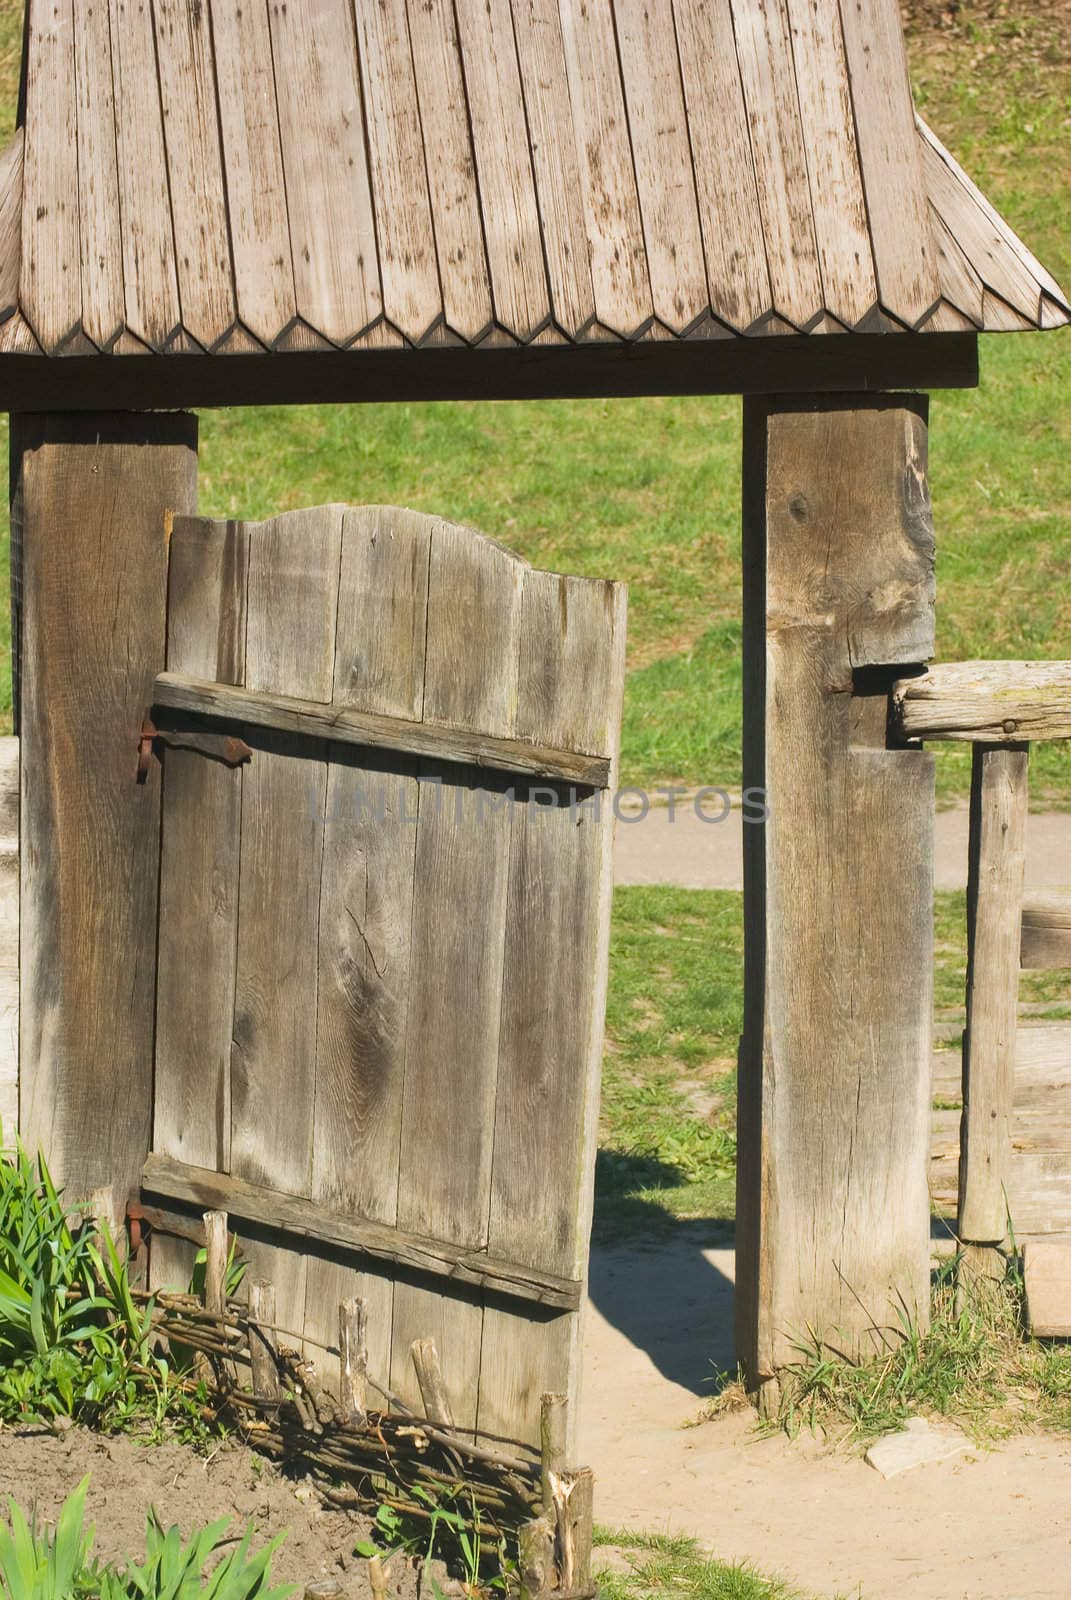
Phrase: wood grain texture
[555,162]
[832,1209]
[503,165]
[184,55]
[9,936]
[617,252]
[994,908]
[332,232]
[764,52]
[896,196]
[1046,931]
[1047,1288]
[737,270]
[256,187]
[150,281]
[412,297]
[838,205]
[50,287]
[985,702]
[199,859]
[665,179]
[448,152]
[11,224]
[308,719]
[100,222]
[93,640]
[382,611]
[960,283]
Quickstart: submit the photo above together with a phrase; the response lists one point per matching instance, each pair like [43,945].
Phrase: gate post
[90,498]
[834,1119]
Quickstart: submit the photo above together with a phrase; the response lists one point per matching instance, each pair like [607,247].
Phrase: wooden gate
[383,935]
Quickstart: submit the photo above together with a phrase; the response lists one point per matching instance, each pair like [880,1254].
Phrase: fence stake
[353,1359]
[553,1426]
[262,1341]
[575,1528]
[377,1578]
[535,1552]
[215,1262]
[430,1378]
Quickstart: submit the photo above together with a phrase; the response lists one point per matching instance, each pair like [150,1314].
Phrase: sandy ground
[709,855]
[990,1525]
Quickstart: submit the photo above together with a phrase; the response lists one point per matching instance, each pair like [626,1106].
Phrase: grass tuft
[673,1567]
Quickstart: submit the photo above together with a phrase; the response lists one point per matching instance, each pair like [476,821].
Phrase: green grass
[675,1568]
[649,490]
[974,1366]
[674,1012]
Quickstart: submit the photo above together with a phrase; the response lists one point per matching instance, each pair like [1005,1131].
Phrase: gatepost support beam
[832,1201]
[91,497]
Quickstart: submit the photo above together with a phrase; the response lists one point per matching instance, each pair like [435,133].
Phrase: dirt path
[991,1525]
[695,854]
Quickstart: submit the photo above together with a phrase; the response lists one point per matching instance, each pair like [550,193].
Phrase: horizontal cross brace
[309,1219]
[985,702]
[341,725]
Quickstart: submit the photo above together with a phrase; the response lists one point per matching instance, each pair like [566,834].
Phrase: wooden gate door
[383,936]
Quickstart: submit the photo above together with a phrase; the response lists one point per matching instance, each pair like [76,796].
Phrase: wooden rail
[985,702]
[312,720]
[1046,936]
[308,1219]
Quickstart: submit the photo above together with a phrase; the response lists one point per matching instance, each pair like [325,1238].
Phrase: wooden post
[92,496]
[262,1342]
[834,1119]
[553,1436]
[996,860]
[535,1558]
[215,1262]
[353,1359]
[429,1371]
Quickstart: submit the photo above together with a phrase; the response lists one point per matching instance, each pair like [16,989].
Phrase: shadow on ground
[664,1284]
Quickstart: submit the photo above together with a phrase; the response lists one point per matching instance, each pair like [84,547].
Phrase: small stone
[918,1445]
[62,1425]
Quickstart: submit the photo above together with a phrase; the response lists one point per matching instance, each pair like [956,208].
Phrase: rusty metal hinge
[225,747]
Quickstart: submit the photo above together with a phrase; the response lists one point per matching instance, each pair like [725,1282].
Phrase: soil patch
[127,1479]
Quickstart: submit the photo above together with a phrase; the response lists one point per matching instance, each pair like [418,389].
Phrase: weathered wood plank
[960,284]
[308,719]
[555,162]
[571,684]
[471,662]
[291,1214]
[896,195]
[1047,1286]
[997,853]
[412,297]
[665,179]
[448,152]
[832,1208]
[985,702]
[98,178]
[292,591]
[764,52]
[503,165]
[737,270]
[184,54]
[93,640]
[1046,929]
[199,861]
[845,249]
[332,233]
[50,288]
[150,281]
[383,611]
[617,252]
[256,188]
[11,223]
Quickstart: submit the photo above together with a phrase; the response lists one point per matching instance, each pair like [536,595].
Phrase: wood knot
[799,507]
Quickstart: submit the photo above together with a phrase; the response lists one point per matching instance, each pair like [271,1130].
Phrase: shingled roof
[236,176]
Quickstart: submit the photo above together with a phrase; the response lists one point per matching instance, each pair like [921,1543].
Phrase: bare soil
[39,1469]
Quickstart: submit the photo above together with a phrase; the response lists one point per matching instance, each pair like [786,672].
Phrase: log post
[995,867]
[832,1203]
[92,496]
